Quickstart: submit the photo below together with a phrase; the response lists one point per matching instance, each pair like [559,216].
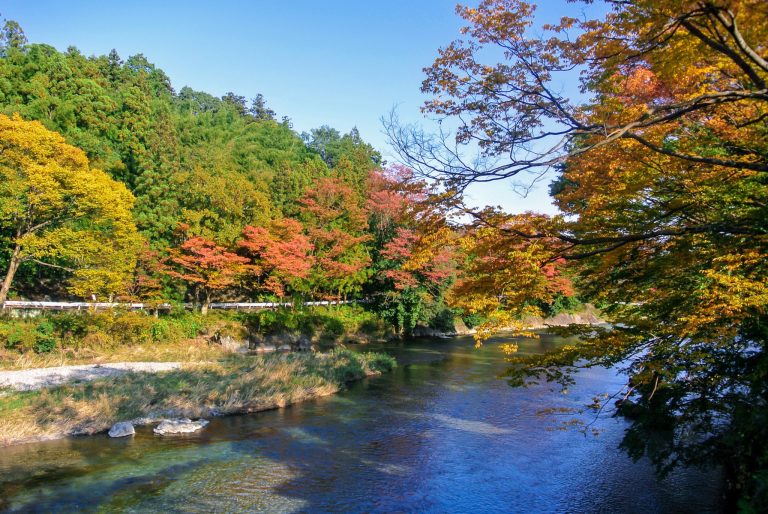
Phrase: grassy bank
[236,384]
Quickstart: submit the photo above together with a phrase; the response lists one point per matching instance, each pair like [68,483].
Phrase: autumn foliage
[207,267]
[280,256]
[661,180]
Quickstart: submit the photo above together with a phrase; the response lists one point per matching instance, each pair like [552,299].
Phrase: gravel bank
[29,379]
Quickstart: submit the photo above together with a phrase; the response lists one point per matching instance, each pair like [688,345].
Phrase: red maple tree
[280,255]
[207,267]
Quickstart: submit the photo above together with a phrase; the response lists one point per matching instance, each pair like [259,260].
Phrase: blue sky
[333,62]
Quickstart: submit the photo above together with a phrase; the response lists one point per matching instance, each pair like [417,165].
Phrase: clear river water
[441,433]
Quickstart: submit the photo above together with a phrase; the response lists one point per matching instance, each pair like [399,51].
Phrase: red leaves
[203,262]
[419,250]
[336,224]
[400,246]
[282,252]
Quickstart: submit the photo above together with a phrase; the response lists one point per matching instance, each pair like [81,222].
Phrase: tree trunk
[206,303]
[13,265]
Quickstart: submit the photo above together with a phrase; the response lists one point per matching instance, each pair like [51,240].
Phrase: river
[441,433]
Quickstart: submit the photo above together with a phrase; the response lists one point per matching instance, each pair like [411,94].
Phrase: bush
[44,334]
[16,335]
[25,335]
[473,320]
[560,304]
[330,323]
[443,320]
[100,330]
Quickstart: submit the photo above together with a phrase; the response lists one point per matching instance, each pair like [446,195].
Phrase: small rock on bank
[179,426]
[122,429]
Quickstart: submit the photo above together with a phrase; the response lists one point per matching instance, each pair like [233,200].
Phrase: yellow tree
[505,276]
[57,211]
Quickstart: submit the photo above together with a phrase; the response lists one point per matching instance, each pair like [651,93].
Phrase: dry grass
[235,384]
[190,350]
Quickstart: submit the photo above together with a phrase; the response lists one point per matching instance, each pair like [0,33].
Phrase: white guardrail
[78,306]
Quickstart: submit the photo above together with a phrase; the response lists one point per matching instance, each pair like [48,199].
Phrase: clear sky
[332,62]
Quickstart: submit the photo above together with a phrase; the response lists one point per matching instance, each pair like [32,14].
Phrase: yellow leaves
[510,268]
[734,288]
[509,348]
[64,212]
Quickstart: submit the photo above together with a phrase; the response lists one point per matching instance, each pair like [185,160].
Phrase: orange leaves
[203,263]
[642,86]
[416,245]
[511,266]
[732,290]
[281,253]
[336,223]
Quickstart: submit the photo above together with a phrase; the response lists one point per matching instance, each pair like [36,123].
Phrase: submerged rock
[179,426]
[122,429]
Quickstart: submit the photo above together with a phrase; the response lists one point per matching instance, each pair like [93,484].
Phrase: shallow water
[439,434]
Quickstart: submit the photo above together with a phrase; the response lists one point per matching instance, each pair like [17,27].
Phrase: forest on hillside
[227,201]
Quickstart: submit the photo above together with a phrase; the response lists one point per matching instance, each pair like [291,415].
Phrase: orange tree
[661,166]
[335,222]
[206,267]
[414,250]
[281,257]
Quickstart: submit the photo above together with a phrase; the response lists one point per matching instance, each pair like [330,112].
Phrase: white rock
[179,426]
[122,429]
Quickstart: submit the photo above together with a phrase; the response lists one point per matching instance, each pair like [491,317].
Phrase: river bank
[235,384]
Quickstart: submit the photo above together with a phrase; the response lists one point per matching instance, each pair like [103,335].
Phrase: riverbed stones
[179,426]
[122,429]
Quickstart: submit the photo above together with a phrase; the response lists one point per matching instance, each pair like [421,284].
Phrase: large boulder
[122,429]
[179,426]
[461,328]
[425,331]
[303,344]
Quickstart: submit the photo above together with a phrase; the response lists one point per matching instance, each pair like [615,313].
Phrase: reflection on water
[439,434]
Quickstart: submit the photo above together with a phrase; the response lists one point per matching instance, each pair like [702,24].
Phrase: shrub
[562,303]
[45,340]
[17,335]
[443,320]
[329,323]
[473,320]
